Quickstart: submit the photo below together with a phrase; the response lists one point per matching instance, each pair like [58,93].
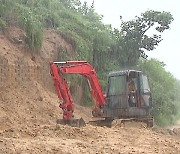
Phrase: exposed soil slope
[28,112]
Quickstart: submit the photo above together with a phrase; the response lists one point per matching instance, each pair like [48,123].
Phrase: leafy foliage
[33,28]
[164,91]
[133,38]
[2,24]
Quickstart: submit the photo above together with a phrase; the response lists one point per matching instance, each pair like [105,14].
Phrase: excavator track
[142,122]
[72,122]
[133,122]
[101,123]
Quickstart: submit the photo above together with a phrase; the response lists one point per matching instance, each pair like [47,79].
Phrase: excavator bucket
[73,122]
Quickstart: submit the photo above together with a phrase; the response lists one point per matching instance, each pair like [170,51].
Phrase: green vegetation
[165,91]
[133,38]
[2,24]
[107,49]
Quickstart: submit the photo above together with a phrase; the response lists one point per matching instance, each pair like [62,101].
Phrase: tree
[164,93]
[133,40]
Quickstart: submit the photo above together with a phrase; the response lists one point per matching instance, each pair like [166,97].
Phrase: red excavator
[128,95]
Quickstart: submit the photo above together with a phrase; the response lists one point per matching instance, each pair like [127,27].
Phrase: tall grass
[2,24]
[34,16]
[33,28]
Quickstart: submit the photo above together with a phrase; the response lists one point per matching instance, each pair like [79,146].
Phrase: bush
[34,29]
[2,24]
[163,86]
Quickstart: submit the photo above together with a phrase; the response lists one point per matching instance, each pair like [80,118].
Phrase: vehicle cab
[128,95]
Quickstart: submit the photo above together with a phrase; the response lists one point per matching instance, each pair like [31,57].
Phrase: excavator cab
[128,96]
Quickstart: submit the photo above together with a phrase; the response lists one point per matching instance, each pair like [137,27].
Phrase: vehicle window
[145,84]
[117,85]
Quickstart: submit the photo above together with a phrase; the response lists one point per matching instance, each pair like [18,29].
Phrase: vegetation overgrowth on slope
[107,49]
[165,92]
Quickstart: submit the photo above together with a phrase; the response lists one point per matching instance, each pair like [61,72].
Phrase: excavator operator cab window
[116,85]
[146,99]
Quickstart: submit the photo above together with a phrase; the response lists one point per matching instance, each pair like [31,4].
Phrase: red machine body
[75,67]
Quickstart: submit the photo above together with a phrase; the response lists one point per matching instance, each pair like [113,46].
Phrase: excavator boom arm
[63,92]
[85,69]
[75,67]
